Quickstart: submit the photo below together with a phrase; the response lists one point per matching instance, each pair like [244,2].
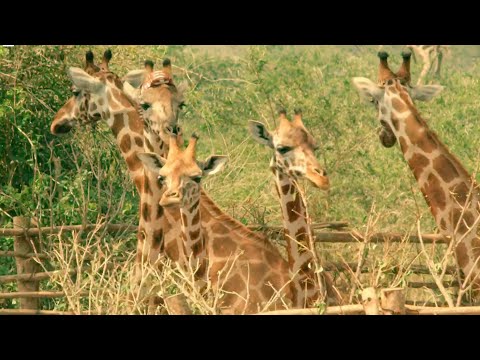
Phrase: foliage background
[81,178]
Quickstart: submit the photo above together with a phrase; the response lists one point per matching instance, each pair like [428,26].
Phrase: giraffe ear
[132,93]
[84,81]
[425,92]
[152,161]
[213,164]
[367,88]
[260,133]
[135,77]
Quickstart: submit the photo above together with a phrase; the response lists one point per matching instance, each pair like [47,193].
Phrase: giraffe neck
[300,246]
[244,264]
[447,187]
[153,141]
[192,233]
[127,127]
[170,225]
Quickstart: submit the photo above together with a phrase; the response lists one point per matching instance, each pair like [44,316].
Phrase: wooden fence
[29,271]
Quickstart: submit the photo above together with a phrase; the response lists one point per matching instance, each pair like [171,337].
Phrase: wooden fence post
[23,245]
[393,301]
[177,305]
[370,301]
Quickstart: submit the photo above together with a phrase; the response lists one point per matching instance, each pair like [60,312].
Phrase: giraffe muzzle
[170,199]
[61,128]
[318,178]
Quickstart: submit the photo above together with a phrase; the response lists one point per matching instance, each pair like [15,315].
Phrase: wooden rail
[358,310]
[320,236]
[37,294]
[27,252]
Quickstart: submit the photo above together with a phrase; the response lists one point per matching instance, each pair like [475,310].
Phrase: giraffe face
[160,101]
[89,102]
[294,149]
[180,173]
[385,97]
[161,106]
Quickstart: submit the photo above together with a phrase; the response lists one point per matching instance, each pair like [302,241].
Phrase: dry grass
[84,180]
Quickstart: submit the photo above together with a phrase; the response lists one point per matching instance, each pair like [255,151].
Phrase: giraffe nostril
[62,128]
[173,194]
[321,172]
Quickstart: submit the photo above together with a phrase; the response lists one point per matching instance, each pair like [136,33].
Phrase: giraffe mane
[236,226]
[432,134]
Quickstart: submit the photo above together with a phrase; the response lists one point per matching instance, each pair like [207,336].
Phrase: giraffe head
[389,84]
[160,99]
[90,100]
[294,149]
[180,172]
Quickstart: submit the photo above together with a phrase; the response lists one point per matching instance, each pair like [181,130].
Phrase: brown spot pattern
[395,123]
[399,105]
[224,247]
[171,249]
[146,211]
[443,224]
[133,163]
[139,141]
[301,234]
[286,189]
[118,124]
[157,238]
[460,193]
[196,218]
[149,146]
[159,211]
[293,209]
[462,256]
[146,186]
[125,143]
[272,259]
[417,163]
[197,247]
[194,206]
[135,123]
[445,168]
[434,194]
[403,144]
[194,234]
[232,283]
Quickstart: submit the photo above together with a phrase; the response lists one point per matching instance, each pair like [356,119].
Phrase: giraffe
[432,56]
[159,102]
[99,96]
[449,190]
[294,158]
[70,115]
[144,93]
[137,92]
[256,271]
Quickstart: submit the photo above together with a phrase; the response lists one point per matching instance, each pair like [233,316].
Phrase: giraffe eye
[75,91]
[284,149]
[182,105]
[161,179]
[145,106]
[197,179]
